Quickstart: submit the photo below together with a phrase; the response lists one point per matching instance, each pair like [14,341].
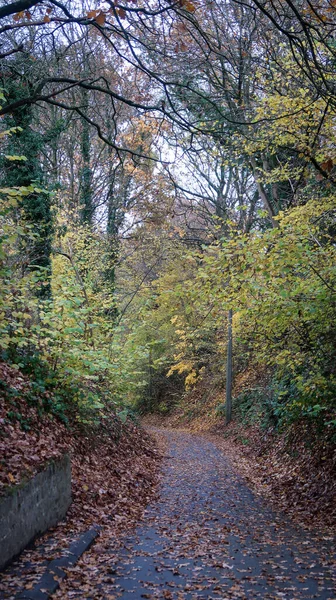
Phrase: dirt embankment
[110,462]
[115,469]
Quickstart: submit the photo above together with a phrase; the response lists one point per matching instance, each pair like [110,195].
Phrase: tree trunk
[262,193]
[86,174]
[228,407]
[36,206]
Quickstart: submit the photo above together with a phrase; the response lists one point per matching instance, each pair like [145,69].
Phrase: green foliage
[281,284]
[257,406]
[63,343]
[90,329]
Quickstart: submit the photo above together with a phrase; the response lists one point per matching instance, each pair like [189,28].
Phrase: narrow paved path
[208,537]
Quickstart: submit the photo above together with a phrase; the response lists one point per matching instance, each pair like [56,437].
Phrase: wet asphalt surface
[208,536]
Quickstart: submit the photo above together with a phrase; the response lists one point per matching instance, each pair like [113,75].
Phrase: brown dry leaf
[122,13]
[100,19]
[19,16]
[190,7]
[327,165]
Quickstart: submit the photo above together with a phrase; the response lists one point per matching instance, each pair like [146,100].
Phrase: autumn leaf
[19,16]
[327,165]
[122,13]
[100,19]
[189,6]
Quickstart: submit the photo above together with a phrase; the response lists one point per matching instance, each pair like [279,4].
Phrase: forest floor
[295,474]
[293,467]
[206,536]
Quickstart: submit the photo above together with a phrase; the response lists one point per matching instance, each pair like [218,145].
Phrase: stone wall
[30,509]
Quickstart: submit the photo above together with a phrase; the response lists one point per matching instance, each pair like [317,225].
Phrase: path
[208,537]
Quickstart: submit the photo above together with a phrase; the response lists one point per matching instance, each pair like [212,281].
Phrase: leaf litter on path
[114,475]
[206,537]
